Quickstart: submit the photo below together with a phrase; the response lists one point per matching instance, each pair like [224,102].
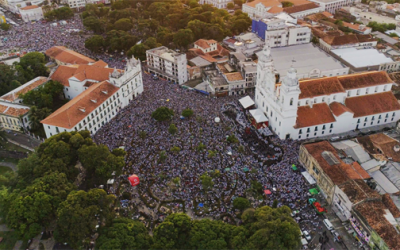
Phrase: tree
[79,214]
[275,204]
[173,232]
[100,163]
[206,182]
[175,149]
[183,38]
[94,43]
[200,147]
[36,206]
[119,40]
[172,129]
[315,40]
[162,114]
[272,228]
[238,2]
[124,24]
[35,61]
[210,234]
[138,51]
[151,43]
[162,156]
[230,6]
[124,234]
[59,13]
[36,116]
[44,96]
[5,26]
[240,25]
[187,113]
[9,78]
[232,139]
[211,154]
[286,4]
[93,23]
[241,203]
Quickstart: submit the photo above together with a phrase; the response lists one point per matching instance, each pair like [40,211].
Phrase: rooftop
[318,114]
[320,86]
[359,58]
[347,39]
[74,111]
[306,58]
[67,56]
[23,89]
[374,213]
[30,7]
[381,144]
[205,44]
[358,190]
[372,104]
[364,79]
[338,108]
[300,8]
[12,109]
[385,38]
[236,76]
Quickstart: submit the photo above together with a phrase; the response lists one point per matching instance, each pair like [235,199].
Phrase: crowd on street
[237,164]
[41,36]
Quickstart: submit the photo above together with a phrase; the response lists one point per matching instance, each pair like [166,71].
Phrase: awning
[246,102]
[308,177]
[110,181]
[258,115]
[313,191]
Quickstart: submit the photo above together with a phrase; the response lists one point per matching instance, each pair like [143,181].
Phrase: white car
[306,235]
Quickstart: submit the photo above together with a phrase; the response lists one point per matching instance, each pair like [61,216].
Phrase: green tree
[5,26]
[79,214]
[93,23]
[162,156]
[206,182]
[124,234]
[35,61]
[138,51]
[230,6]
[36,116]
[119,40]
[173,232]
[172,129]
[241,203]
[315,40]
[94,43]
[210,234]
[187,112]
[36,206]
[232,139]
[59,13]
[238,2]
[286,4]
[44,96]
[124,24]
[175,149]
[183,38]
[100,163]
[200,147]
[162,114]
[211,154]
[151,43]
[275,204]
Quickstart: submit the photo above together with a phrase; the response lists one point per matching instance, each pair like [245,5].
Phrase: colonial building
[346,41]
[31,13]
[324,106]
[220,4]
[14,95]
[98,100]
[63,56]
[332,6]
[167,64]
[14,116]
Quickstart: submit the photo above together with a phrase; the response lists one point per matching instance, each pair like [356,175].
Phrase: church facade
[323,106]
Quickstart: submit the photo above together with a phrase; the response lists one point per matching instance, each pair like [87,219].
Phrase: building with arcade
[324,106]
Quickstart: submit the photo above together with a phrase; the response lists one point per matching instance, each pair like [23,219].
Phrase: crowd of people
[233,167]
[41,36]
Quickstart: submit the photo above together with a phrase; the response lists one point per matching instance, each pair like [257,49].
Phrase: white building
[31,13]
[98,102]
[220,4]
[332,5]
[324,106]
[328,43]
[269,8]
[76,3]
[15,5]
[206,45]
[167,64]
[14,116]
[14,95]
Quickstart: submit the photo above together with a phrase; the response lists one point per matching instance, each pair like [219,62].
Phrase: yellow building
[14,116]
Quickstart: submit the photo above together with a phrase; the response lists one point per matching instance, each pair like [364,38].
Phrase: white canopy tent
[258,115]
[246,102]
[308,177]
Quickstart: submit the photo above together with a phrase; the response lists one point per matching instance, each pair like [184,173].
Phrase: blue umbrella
[201,205]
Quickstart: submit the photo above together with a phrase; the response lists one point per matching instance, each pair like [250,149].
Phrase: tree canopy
[59,14]
[162,114]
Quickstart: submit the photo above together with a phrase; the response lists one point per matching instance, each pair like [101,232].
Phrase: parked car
[306,235]
[336,236]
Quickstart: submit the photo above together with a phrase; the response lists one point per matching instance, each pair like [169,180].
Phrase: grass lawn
[4,169]
[12,147]
[9,240]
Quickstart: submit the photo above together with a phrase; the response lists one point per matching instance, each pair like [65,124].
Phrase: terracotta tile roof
[275,10]
[202,43]
[333,171]
[236,76]
[327,14]
[365,38]
[11,110]
[354,171]
[88,84]
[100,63]
[300,8]
[67,56]
[317,115]
[358,191]
[296,2]
[13,95]
[220,54]
[387,200]
[230,40]
[320,86]
[221,67]
[386,145]
[340,40]
[365,79]
[338,108]
[372,104]
[70,114]
[81,72]
[266,3]
[30,7]
[373,212]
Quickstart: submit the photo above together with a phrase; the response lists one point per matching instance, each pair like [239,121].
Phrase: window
[323,127]
[308,130]
[334,97]
[385,120]
[300,131]
[315,170]
[58,131]
[315,134]
[358,92]
[298,104]
[367,91]
[316,128]
[291,102]
[315,100]
[365,124]
[348,93]
[385,88]
[330,131]
[331,125]
[373,118]
[393,114]
[376,89]
[366,119]
[323,132]
[380,116]
[372,123]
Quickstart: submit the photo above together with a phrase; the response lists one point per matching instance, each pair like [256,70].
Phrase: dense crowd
[41,36]
[270,166]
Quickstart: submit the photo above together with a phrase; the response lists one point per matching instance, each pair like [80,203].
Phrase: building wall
[307,12]
[32,14]
[220,4]
[312,166]
[342,202]
[76,3]
[331,7]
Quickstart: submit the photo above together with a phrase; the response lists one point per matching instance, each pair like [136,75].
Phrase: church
[325,106]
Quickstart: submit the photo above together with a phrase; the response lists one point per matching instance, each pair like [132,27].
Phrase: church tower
[265,69]
[289,93]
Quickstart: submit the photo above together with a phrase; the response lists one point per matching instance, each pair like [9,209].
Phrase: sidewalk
[23,140]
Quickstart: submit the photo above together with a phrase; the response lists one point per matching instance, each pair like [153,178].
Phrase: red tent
[134,180]
[267,192]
